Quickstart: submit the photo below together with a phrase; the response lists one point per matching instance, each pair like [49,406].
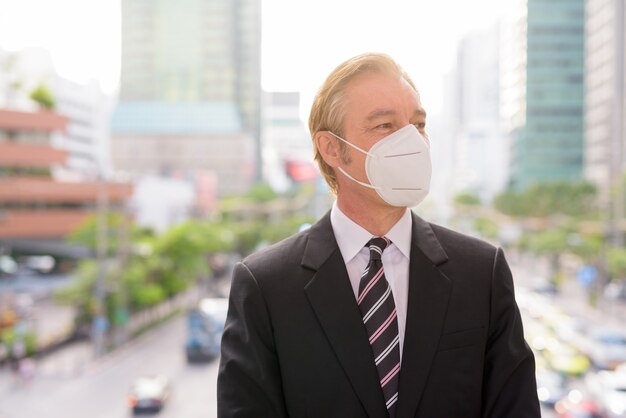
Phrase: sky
[302,41]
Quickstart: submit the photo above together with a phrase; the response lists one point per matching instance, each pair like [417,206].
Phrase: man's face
[375,106]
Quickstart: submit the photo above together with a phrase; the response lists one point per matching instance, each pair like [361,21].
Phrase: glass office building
[547,111]
[193,51]
[190,89]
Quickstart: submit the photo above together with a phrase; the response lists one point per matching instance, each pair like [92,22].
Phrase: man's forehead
[384,112]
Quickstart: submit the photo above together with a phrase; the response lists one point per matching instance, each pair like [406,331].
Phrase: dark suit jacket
[295,344]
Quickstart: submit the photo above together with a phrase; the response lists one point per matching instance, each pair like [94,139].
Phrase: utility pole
[100,322]
[123,255]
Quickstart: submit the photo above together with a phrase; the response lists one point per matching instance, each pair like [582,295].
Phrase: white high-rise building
[479,148]
[605,99]
[285,138]
[87,108]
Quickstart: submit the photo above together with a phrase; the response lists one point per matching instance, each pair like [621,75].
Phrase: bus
[205,324]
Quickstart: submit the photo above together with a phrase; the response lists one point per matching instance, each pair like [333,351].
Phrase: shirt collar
[352,237]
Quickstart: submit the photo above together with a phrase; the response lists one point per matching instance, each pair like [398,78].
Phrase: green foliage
[486,227]
[616,262]
[467,199]
[87,232]
[586,246]
[249,234]
[149,294]
[159,266]
[547,242]
[7,171]
[162,265]
[261,192]
[43,96]
[546,199]
[9,337]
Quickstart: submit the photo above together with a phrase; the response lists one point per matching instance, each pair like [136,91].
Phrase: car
[606,347]
[545,287]
[609,387]
[149,394]
[578,405]
[551,386]
[539,336]
[616,291]
[205,325]
[565,359]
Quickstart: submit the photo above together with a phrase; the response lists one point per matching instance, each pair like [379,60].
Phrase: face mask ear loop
[356,181]
[351,144]
[344,171]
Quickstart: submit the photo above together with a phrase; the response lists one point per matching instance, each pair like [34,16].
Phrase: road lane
[99,389]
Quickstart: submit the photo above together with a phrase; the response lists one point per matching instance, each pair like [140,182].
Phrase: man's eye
[384,126]
[420,125]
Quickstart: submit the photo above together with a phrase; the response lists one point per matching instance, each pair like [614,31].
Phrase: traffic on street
[69,384]
[171,370]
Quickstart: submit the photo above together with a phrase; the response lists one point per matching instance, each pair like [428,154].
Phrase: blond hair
[327,111]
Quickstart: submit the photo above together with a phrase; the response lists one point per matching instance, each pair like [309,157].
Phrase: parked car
[605,347]
[616,290]
[565,359]
[149,394]
[578,405]
[609,388]
[551,386]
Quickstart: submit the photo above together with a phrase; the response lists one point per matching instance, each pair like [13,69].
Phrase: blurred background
[147,145]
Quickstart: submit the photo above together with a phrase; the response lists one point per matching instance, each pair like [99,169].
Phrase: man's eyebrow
[420,112]
[380,113]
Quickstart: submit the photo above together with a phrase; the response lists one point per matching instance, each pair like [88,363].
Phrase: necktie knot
[377,245]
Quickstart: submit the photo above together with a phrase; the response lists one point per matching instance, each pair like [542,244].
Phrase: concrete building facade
[37,209]
[190,90]
[86,137]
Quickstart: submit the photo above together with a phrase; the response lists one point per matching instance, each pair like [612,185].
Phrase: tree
[560,207]
[261,192]
[616,263]
[467,199]
[486,227]
[545,200]
[86,233]
[43,96]
[158,267]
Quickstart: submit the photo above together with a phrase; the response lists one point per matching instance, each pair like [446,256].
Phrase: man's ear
[328,147]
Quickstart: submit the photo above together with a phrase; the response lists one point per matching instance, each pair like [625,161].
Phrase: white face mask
[398,167]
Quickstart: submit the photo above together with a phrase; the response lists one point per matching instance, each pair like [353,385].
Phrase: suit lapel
[332,299]
[429,292]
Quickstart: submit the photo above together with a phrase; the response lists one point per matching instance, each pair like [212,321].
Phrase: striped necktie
[379,316]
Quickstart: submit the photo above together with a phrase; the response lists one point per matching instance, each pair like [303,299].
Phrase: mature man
[374,312]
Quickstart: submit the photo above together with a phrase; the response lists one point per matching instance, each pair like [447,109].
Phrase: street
[68,384]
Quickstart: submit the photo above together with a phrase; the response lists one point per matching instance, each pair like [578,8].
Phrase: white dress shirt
[352,238]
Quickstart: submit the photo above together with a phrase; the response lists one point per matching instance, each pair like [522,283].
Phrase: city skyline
[302,41]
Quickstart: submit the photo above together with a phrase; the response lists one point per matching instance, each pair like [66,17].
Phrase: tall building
[287,148]
[190,87]
[543,91]
[86,137]
[37,209]
[605,99]
[480,148]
